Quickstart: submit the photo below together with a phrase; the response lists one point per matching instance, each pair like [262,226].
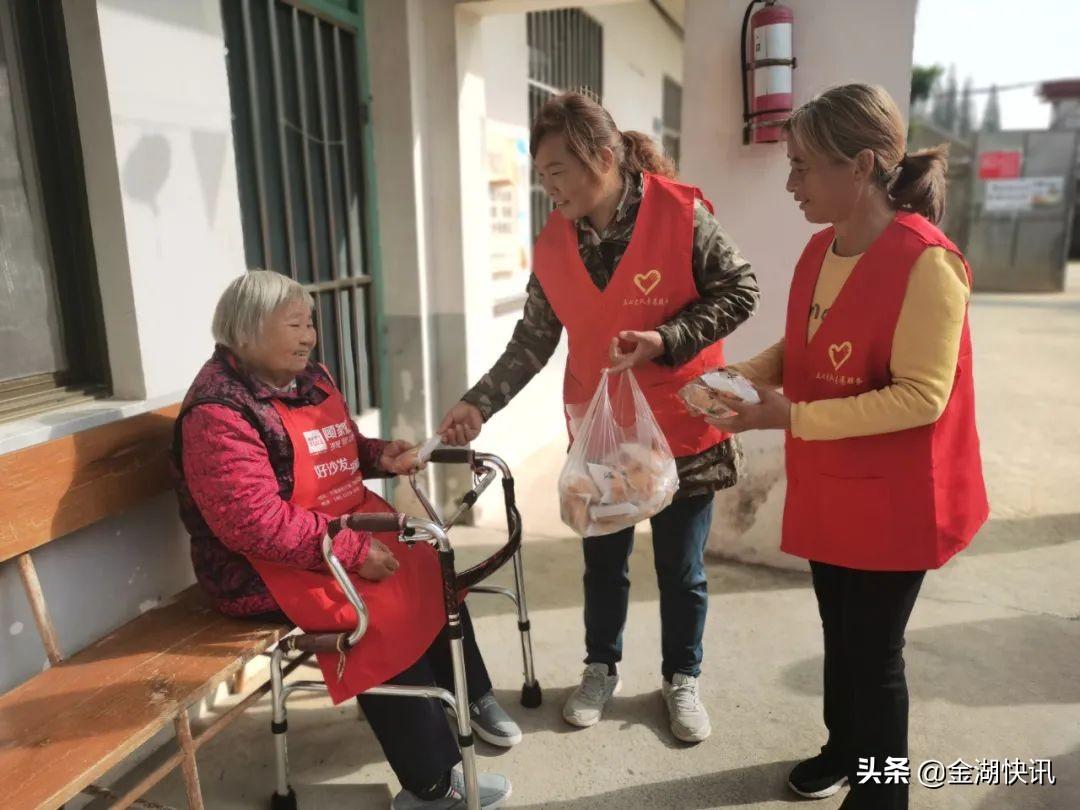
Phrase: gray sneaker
[585,703]
[491,722]
[689,720]
[494,790]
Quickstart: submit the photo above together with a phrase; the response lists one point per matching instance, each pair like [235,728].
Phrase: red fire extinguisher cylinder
[771,67]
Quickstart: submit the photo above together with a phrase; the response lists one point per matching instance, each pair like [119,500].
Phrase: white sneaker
[585,703]
[689,720]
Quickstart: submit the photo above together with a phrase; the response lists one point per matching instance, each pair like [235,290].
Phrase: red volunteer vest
[653,282]
[406,610]
[902,501]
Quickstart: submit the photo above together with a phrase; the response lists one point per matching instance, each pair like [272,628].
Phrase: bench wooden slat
[54,488]
[68,726]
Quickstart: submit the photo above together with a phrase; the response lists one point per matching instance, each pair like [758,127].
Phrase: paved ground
[993,646]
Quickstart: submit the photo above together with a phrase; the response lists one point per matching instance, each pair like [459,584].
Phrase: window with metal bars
[672,106]
[566,52]
[298,119]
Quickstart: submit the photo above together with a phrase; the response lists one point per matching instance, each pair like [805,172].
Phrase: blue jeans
[679,535]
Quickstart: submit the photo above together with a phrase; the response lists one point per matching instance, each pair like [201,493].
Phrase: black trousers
[863,616]
[414,734]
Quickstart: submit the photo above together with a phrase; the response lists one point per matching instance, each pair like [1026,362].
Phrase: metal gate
[1020,214]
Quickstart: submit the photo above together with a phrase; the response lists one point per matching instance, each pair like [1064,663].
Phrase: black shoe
[818,777]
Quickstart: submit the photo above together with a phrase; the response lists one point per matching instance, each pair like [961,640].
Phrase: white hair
[238,318]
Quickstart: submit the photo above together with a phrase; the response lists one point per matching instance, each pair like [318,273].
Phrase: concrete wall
[746,184]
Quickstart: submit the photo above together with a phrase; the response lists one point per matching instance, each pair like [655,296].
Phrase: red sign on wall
[1003,165]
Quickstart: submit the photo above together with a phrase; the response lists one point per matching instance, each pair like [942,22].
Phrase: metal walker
[434,531]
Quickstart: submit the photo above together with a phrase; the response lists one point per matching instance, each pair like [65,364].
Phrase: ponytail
[639,154]
[919,185]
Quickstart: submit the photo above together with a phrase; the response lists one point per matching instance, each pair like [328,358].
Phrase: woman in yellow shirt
[884,479]
[923,360]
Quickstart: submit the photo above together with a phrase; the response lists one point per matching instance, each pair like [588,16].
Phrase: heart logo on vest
[840,353]
[646,282]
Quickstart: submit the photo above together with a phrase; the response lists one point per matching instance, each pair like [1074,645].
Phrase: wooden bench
[66,727]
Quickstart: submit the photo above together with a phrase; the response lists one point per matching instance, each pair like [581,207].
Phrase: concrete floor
[993,645]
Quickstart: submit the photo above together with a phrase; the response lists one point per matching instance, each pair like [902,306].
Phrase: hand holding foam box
[709,394]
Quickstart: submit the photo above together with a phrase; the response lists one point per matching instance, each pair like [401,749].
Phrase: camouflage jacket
[728,294]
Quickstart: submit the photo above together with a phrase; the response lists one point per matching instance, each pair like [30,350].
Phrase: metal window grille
[566,52]
[672,132]
[298,118]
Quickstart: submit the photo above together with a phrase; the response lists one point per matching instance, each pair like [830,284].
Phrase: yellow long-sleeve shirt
[923,363]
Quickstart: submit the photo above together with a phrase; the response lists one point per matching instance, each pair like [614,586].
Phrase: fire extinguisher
[768,72]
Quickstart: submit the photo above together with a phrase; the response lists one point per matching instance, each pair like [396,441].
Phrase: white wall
[505,68]
[835,41]
[153,101]
[639,50]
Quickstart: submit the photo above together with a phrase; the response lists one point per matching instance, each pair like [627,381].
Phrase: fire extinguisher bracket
[769,72]
[770,63]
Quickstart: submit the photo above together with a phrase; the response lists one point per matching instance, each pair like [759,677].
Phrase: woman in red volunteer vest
[266,454]
[884,474]
[635,267]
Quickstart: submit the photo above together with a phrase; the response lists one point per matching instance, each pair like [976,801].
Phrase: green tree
[965,115]
[991,121]
[923,79]
[948,102]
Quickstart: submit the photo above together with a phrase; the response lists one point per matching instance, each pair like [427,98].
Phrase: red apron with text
[653,282]
[406,611]
[902,501]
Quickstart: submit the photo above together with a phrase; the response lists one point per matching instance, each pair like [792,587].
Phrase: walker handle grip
[368,522]
[453,455]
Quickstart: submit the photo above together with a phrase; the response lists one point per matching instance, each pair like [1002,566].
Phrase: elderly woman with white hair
[266,456]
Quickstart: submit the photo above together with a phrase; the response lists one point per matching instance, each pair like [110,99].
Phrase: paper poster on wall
[1024,194]
[508,190]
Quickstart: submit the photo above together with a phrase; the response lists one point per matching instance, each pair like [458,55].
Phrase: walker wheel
[286,802]
[531,696]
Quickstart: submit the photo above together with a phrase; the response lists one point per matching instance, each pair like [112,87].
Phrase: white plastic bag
[620,469]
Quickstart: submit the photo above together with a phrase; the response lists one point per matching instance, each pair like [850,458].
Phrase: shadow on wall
[146,169]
